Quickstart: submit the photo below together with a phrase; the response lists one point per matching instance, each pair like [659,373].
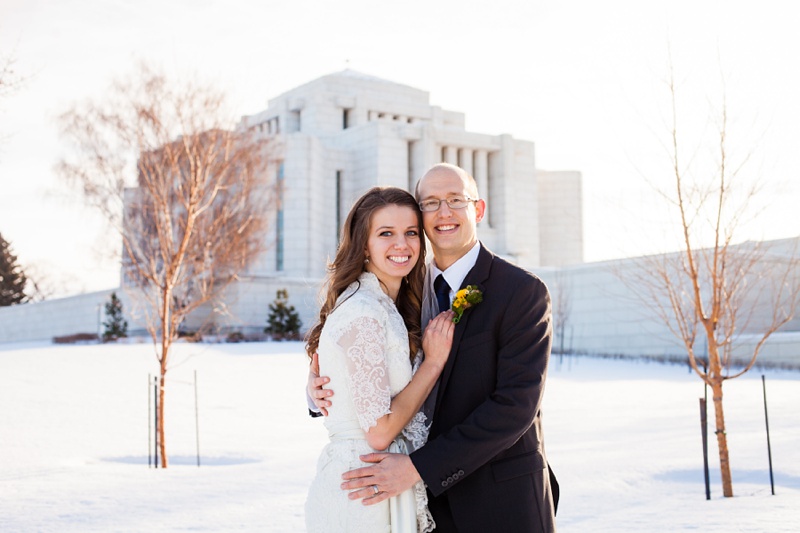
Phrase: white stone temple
[339,135]
[335,137]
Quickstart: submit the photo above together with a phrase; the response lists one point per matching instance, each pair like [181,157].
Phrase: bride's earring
[366,261]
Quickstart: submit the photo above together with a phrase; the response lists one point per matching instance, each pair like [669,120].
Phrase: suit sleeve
[495,424]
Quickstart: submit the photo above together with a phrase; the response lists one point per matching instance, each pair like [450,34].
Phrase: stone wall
[245,309]
[601,314]
[54,318]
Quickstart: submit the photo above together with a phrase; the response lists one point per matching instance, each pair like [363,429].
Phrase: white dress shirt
[454,276]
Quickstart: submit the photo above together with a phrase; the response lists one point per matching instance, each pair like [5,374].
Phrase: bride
[368,341]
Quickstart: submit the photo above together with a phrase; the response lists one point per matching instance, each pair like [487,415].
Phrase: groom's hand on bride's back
[315,387]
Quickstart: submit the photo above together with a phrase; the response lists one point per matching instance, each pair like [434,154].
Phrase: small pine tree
[283,321]
[116,326]
[12,277]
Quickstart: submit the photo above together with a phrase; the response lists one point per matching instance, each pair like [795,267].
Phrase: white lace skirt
[329,510]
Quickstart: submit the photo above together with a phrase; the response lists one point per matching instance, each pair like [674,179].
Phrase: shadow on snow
[186,460]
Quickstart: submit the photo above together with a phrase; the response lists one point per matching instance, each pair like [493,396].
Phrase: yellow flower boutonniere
[465,298]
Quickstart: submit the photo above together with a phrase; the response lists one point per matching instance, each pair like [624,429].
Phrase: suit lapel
[476,276]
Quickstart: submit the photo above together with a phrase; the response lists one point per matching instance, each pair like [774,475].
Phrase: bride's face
[393,245]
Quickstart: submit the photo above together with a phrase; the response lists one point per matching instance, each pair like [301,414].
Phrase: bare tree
[10,80]
[41,284]
[715,289]
[195,216]
[562,310]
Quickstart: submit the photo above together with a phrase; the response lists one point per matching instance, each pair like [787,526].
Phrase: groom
[484,463]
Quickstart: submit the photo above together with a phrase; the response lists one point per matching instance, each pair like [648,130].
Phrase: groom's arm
[499,421]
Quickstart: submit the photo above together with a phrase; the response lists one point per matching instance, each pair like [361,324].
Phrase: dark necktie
[442,290]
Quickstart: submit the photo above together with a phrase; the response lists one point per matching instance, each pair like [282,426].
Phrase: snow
[622,436]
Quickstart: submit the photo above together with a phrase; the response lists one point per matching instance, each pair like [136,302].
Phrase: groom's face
[452,232]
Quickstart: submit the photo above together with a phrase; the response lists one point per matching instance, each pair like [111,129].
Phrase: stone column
[451,155]
[482,177]
[465,159]
[424,154]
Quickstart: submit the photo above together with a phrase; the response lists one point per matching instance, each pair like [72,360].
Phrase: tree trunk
[166,335]
[722,440]
[161,433]
[165,343]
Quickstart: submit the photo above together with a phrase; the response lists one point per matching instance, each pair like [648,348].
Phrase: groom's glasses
[453,202]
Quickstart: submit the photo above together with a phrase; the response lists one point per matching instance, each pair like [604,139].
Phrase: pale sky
[584,80]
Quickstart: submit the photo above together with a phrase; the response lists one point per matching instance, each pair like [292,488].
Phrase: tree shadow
[755,477]
[186,460]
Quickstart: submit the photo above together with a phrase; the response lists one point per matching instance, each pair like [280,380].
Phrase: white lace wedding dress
[363,348]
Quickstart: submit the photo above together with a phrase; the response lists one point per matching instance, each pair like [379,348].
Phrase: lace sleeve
[364,344]
[417,429]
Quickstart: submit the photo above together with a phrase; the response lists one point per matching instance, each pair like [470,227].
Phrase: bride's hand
[438,339]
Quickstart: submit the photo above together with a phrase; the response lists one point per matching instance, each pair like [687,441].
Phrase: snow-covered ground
[623,438]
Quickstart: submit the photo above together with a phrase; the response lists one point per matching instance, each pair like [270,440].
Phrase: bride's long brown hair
[349,264]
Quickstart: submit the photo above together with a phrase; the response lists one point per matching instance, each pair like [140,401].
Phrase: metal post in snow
[155,420]
[149,426]
[769,448]
[196,419]
[704,432]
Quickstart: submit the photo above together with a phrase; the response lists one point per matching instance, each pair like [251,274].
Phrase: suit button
[460,473]
[449,479]
[444,483]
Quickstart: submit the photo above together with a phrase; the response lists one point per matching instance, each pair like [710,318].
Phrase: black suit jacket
[485,454]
